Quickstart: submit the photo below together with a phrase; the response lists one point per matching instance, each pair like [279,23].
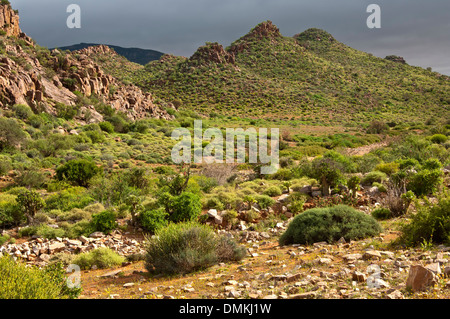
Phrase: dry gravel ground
[365,269]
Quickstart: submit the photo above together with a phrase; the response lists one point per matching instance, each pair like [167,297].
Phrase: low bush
[182,208]
[68,199]
[152,220]
[43,231]
[106,127]
[329,224]
[381,213]
[186,247]
[272,191]
[387,168]
[425,182]
[21,281]
[296,201]
[373,177]
[78,171]
[439,138]
[431,223]
[264,201]
[104,222]
[101,258]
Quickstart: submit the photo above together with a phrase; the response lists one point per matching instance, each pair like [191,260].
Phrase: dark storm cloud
[418,30]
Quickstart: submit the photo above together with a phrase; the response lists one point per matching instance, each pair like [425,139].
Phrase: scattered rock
[420,278]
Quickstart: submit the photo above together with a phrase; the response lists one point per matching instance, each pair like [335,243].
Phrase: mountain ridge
[310,75]
[136,55]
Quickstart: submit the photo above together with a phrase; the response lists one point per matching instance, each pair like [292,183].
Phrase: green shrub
[228,250]
[81,228]
[296,202]
[439,138]
[185,207]
[432,164]
[101,258]
[22,111]
[68,199]
[10,212]
[106,127]
[373,177]
[214,203]
[74,215]
[186,247]
[380,186]
[104,222]
[381,213]
[43,231]
[5,165]
[206,183]
[11,133]
[329,224]
[425,182]
[431,223]
[21,281]
[409,163]
[264,201]
[272,191]
[377,127]
[283,174]
[387,168]
[153,220]
[78,171]
[96,137]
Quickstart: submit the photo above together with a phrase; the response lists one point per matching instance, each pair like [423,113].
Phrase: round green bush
[185,207]
[425,182]
[152,220]
[272,191]
[100,257]
[264,201]
[329,224]
[373,177]
[78,171]
[104,222]
[381,213]
[106,127]
[439,138]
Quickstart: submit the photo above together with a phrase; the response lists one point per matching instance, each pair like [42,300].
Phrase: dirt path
[359,151]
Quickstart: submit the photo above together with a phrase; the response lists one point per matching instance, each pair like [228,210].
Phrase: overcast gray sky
[418,30]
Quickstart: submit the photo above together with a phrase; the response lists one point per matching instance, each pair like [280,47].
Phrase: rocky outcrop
[78,72]
[9,21]
[212,52]
[264,30]
[395,58]
[24,80]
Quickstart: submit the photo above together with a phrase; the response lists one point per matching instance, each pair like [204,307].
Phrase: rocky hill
[41,78]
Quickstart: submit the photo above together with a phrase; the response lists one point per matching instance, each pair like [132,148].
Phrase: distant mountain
[136,55]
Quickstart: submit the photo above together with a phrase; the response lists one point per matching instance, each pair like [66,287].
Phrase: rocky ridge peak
[265,29]
[213,52]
